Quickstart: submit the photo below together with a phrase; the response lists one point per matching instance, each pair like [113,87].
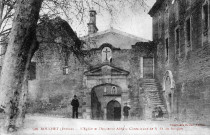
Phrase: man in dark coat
[75,105]
[126,111]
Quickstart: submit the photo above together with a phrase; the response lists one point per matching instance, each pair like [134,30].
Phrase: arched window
[106,54]
[114,90]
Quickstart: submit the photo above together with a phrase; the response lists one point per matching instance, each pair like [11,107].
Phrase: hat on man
[75,96]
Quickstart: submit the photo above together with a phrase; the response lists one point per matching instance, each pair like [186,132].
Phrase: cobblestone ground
[48,125]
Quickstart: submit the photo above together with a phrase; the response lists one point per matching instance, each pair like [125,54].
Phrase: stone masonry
[181,34]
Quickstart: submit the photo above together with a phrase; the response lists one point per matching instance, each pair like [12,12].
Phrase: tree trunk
[17,59]
[24,92]
[1,12]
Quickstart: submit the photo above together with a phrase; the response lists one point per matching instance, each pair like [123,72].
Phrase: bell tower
[92,23]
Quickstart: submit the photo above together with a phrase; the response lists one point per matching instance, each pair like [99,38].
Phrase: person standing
[75,105]
[126,111]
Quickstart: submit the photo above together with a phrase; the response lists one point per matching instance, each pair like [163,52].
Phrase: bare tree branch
[74,11]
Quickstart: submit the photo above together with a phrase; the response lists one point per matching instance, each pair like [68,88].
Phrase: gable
[106,70]
[117,38]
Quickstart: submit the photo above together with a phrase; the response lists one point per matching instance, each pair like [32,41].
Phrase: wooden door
[117,113]
[148,67]
[113,110]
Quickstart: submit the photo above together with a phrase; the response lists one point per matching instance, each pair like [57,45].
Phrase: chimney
[92,23]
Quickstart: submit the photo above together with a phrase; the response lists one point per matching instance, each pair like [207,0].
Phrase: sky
[127,19]
[138,23]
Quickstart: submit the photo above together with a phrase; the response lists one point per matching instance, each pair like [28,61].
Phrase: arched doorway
[113,110]
[100,96]
[168,88]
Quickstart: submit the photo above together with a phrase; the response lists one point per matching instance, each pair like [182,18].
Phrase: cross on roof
[106,51]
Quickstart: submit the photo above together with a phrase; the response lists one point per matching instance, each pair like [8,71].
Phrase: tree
[21,46]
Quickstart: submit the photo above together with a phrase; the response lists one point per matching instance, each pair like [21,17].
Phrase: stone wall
[189,65]
[51,92]
[52,89]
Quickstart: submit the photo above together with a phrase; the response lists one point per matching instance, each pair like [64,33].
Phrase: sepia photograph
[104,67]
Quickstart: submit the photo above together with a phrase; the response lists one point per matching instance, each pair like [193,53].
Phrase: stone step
[149,80]
[153,96]
[151,90]
[161,105]
[150,86]
[156,103]
[155,100]
[150,83]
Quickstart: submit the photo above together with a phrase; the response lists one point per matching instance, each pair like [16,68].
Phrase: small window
[166,48]
[66,70]
[159,25]
[176,10]
[177,41]
[188,32]
[166,7]
[32,71]
[205,17]
[166,16]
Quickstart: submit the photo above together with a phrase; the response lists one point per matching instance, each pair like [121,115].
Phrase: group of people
[75,105]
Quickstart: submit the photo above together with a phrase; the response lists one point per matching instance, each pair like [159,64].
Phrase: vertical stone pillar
[122,116]
[88,105]
[88,112]
[123,100]
[105,113]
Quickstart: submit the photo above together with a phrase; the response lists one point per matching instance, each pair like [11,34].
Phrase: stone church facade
[117,68]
